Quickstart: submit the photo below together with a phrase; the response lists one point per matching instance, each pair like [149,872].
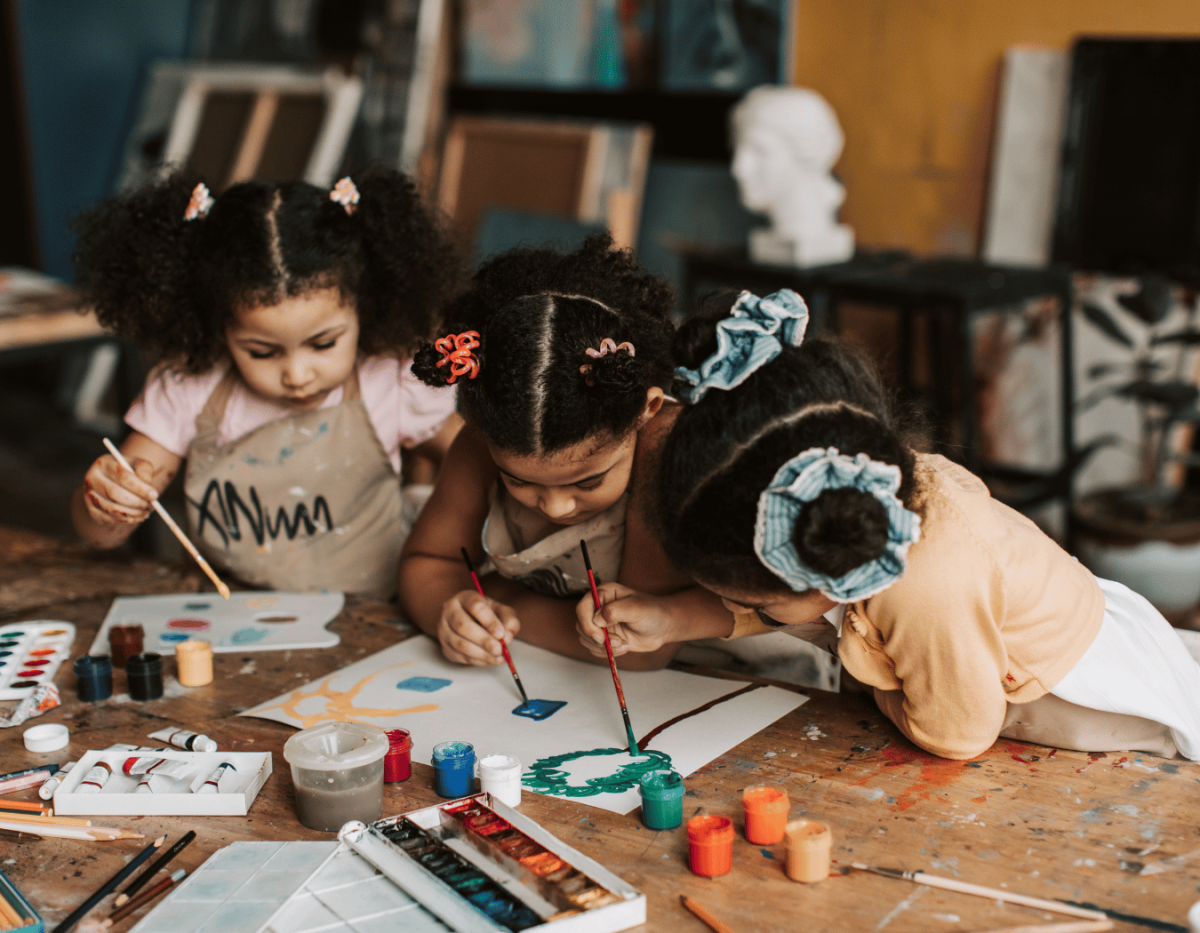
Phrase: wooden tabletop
[1119,832]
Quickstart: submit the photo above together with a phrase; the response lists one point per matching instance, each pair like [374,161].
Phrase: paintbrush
[13,835]
[949,884]
[175,529]
[136,884]
[104,889]
[144,898]
[612,663]
[503,647]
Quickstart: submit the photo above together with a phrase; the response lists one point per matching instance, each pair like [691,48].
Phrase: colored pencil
[13,835]
[9,918]
[144,898]
[175,529]
[34,819]
[1070,926]
[136,884]
[612,663]
[996,894]
[104,889]
[86,833]
[25,771]
[33,810]
[26,781]
[503,647]
[716,925]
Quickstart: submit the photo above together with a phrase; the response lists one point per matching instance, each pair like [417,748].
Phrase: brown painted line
[643,742]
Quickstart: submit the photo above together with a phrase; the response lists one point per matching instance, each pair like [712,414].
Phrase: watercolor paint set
[30,654]
[257,620]
[162,783]
[16,913]
[472,865]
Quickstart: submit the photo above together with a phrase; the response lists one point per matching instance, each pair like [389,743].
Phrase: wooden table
[1118,832]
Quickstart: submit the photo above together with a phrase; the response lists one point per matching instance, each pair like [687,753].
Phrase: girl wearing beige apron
[309,501]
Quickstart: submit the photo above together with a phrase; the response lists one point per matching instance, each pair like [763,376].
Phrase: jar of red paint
[710,845]
[397,763]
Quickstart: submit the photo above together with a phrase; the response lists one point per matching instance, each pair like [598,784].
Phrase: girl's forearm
[424,583]
[693,614]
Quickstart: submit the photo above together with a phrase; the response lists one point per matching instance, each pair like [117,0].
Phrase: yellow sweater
[990,612]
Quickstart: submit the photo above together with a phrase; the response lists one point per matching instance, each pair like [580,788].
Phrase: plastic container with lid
[766,811]
[500,776]
[337,770]
[454,769]
[662,799]
[144,674]
[808,850]
[397,765]
[710,845]
[93,677]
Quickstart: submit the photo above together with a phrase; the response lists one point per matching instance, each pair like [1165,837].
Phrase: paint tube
[122,747]
[95,779]
[154,784]
[46,791]
[210,785]
[164,766]
[188,741]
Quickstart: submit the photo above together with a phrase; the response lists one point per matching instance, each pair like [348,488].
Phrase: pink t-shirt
[403,410]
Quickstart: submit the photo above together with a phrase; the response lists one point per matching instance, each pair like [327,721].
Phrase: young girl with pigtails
[788,488]
[560,361]
[284,315]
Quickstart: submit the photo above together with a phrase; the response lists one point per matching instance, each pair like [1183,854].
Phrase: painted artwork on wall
[577,751]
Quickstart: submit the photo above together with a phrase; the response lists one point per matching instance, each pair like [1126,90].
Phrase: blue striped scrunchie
[801,480]
[753,335]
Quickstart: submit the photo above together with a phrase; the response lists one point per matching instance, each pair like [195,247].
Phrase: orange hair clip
[456,351]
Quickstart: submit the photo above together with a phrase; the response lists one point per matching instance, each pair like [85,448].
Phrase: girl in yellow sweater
[787,488]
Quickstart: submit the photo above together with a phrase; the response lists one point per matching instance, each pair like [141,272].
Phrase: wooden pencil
[13,835]
[144,898]
[21,805]
[136,884]
[26,811]
[716,925]
[9,918]
[35,819]
[1070,926]
[86,833]
[175,529]
[104,889]
[996,894]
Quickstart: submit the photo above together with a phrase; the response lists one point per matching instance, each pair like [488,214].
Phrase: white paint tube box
[171,795]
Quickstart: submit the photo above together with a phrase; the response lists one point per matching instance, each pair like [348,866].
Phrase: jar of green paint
[662,799]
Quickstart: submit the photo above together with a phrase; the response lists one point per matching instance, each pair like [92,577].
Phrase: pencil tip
[160,840]
[120,900]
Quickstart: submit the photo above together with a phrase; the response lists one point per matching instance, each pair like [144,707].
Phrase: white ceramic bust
[786,140]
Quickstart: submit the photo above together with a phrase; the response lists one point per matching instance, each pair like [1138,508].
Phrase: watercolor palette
[437,869]
[30,654]
[257,620]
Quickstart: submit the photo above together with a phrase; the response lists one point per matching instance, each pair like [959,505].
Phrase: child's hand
[472,626]
[635,622]
[114,496]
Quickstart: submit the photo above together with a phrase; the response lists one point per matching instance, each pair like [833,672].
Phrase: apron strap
[208,422]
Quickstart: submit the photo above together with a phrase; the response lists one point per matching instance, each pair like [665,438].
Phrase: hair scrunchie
[754,334]
[801,480]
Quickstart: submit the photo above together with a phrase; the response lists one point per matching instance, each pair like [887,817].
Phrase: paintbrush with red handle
[503,647]
[612,663]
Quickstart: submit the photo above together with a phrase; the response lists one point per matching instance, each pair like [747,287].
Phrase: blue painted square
[424,684]
[539,709]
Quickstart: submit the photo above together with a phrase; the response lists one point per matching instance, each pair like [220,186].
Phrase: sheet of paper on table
[411,686]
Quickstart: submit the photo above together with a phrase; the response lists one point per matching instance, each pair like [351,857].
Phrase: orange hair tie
[456,350]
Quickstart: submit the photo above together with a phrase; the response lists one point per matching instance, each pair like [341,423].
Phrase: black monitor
[1129,189]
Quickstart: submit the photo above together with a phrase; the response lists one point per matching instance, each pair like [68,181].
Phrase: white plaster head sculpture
[786,140]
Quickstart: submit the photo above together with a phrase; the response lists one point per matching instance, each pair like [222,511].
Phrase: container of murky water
[337,770]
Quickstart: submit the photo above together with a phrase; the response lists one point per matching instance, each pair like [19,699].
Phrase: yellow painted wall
[914,83]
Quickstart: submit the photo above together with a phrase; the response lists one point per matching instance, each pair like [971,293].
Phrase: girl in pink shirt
[284,315]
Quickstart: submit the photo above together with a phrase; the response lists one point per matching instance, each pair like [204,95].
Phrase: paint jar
[397,763]
[93,677]
[500,776]
[194,662]
[710,845]
[144,672]
[124,642]
[766,814]
[1194,917]
[454,769]
[337,771]
[808,847]
[662,799]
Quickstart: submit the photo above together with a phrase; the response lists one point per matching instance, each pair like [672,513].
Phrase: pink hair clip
[345,193]
[200,203]
[607,346]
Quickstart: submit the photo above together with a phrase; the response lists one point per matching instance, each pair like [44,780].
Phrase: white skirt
[1138,666]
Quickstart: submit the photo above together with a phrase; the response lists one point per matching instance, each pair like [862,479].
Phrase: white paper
[475,705]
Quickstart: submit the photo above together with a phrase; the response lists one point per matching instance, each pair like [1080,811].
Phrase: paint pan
[30,655]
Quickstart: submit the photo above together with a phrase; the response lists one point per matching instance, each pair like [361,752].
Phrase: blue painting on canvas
[423,684]
[539,709]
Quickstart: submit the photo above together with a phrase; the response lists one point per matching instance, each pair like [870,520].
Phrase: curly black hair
[537,312]
[724,451]
[172,285]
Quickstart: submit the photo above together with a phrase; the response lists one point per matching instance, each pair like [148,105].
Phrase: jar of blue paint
[662,799]
[93,677]
[454,769]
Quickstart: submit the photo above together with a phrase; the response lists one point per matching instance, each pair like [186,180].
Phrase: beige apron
[309,501]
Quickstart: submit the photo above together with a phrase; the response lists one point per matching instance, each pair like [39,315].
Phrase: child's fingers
[137,482]
[460,642]
[487,613]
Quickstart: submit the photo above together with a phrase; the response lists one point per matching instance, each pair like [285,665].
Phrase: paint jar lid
[335,746]
[763,799]
[47,738]
[661,785]
[144,664]
[453,753]
[710,830]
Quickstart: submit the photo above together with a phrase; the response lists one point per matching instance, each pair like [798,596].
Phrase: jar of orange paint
[766,814]
[710,845]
